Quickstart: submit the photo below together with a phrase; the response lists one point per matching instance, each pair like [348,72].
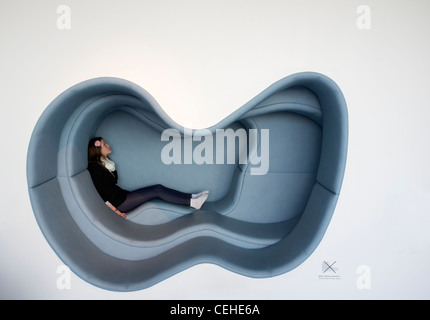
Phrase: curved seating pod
[264,216]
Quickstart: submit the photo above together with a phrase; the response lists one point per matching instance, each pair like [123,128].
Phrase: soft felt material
[256,225]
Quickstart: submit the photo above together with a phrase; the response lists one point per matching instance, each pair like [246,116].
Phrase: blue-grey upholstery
[256,225]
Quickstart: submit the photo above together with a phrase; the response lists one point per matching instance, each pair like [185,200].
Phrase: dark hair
[94,153]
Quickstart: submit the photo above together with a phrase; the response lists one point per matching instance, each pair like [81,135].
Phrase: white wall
[201,60]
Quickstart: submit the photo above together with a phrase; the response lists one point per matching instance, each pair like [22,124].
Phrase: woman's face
[105,148]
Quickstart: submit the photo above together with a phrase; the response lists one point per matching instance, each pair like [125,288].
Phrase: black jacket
[106,184]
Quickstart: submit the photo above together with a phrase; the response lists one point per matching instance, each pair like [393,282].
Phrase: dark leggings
[158,191]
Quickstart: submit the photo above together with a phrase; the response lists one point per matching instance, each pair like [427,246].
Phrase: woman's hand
[122,214]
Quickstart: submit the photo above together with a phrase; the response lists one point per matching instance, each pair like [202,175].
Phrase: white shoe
[196,195]
[197,202]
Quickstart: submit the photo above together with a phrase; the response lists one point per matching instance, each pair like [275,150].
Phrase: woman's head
[97,149]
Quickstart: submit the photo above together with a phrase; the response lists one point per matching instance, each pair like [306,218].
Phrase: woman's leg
[158,191]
